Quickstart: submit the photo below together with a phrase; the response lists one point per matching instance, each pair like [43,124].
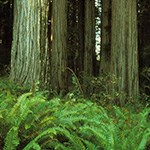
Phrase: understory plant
[31,122]
[101,89]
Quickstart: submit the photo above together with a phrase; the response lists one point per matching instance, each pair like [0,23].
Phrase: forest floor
[33,121]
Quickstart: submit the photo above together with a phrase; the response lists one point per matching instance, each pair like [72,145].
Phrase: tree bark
[29,54]
[80,28]
[124,55]
[106,37]
[76,36]
[89,35]
[59,45]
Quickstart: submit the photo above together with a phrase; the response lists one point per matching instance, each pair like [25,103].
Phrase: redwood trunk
[30,45]
[59,45]
[124,55]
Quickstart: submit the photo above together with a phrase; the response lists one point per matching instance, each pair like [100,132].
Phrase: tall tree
[75,45]
[144,43]
[29,56]
[59,45]
[106,37]
[124,55]
[80,26]
[89,36]
[76,35]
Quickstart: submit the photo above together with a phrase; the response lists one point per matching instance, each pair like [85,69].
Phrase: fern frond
[11,140]
[51,132]
[20,110]
[89,145]
[144,140]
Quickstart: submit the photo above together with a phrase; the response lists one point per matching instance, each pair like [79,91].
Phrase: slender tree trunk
[59,45]
[76,35]
[30,45]
[124,57]
[89,35]
[80,27]
[106,37]
[89,43]
[45,46]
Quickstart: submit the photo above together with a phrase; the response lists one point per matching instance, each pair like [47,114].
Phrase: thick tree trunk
[106,37]
[29,47]
[59,45]
[124,59]
[89,35]
[132,47]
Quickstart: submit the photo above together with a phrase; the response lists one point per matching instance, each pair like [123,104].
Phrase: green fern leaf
[35,146]
[11,140]
[51,132]
[89,145]
[144,140]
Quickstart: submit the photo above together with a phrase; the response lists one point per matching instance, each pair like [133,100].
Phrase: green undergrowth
[32,122]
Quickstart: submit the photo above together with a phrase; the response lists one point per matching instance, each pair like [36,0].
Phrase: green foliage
[30,122]
[98,89]
[134,131]
[8,88]
[75,88]
[11,140]
[145,80]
